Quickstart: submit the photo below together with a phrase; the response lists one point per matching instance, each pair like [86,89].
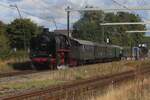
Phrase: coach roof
[84,42]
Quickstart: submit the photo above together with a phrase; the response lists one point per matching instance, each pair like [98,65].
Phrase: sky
[47,12]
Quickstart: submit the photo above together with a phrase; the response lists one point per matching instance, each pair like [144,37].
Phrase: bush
[4,42]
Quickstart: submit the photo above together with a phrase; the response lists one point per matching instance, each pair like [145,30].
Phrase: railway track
[10,74]
[72,89]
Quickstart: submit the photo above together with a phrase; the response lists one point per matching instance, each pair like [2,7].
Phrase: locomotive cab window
[62,42]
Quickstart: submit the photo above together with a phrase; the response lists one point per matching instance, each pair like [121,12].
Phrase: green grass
[31,84]
[133,90]
[45,79]
[6,64]
[4,67]
[13,87]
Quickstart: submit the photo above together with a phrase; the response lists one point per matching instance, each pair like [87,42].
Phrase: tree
[88,28]
[118,34]
[20,31]
[133,38]
[4,42]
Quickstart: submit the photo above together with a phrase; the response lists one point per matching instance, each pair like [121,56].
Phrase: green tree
[4,42]
[133,38]
[20,31]
[118,35]
[88,26]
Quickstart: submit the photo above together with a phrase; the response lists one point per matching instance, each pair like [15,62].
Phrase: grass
[4,67]
[11,88]
[6,64]
[98,69]
[31,84]
[137,90]
[44,79]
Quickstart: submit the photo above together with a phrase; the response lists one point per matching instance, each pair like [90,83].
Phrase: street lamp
[15,6]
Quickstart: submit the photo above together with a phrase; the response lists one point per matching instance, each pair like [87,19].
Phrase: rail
[74,88]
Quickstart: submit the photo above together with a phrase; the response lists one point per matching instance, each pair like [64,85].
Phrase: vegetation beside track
[9,63]
[134,90]
[4,67]
[45,79]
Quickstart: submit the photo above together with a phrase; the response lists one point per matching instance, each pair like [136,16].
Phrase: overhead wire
[124,6]
[53,19]
[25,12]
[68,1]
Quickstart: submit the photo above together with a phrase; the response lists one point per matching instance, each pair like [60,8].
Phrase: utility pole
[68,21]
[15,6]
[54,22]
[103,29]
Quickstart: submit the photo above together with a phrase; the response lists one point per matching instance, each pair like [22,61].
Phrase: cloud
[49,9]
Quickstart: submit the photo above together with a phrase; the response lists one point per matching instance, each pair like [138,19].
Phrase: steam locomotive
[52,50]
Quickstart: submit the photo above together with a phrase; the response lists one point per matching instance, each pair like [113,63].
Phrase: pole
[54,23]
[21,24]
[103,28]
[22,27]
[18,11]
[68,21]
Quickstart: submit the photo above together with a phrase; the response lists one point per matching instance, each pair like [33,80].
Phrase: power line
[116,2]
[124,6]
[85,3]
[110,9]
[25,12]
[137,31]
[4,5]
[53,19]
[140,4]
[124,23]
[15,6]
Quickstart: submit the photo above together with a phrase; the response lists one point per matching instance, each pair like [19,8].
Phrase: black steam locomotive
[54,50]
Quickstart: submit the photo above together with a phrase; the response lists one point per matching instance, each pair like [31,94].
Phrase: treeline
[17,35]
[88,28]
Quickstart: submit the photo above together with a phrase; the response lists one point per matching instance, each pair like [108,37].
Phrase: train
[53,50]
